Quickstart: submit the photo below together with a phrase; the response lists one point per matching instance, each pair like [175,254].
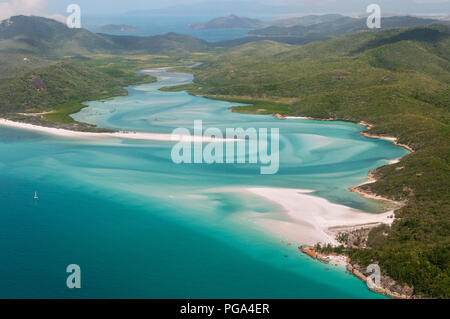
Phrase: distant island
[116,28]
[306,20]
[316,28]
[230,22]
[234,22]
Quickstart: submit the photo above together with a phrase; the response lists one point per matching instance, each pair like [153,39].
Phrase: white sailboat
[36,195]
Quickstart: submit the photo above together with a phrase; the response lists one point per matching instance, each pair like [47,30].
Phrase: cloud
[26,7]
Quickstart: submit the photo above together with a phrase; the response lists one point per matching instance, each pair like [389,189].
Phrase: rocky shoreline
[387,287]
[370,195]
[389,138]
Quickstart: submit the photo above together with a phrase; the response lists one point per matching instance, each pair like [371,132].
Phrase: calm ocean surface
[141,226]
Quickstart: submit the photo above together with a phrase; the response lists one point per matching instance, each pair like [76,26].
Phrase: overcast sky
[220,7]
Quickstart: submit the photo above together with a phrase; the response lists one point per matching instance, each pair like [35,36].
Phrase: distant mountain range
[328,27]
[229,22]
[116,28]
[234,22]
[209,8]
[45,37]
[42,36]
[302,30]
[335,25]
[306,20]
[255,8]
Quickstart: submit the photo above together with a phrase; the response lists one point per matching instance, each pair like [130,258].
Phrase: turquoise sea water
[141,226]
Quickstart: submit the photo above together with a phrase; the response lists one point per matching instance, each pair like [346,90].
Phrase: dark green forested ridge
[398,80]
[337,26]
[305,20]
[229,22]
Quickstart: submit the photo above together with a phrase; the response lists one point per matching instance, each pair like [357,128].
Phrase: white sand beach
[121,135]
[392,139]
[394,161]
[309,219]
[297,118]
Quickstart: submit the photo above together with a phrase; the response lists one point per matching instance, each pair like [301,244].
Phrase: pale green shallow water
[141,226]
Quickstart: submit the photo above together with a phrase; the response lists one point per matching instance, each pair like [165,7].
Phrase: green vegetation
[254,106]
[39,36]
[259,106]
[318,28]
[56,84]
[58,90]
[61,113]
[334,26]
[230,22]
[13,64]
[397,80]
[306,20]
